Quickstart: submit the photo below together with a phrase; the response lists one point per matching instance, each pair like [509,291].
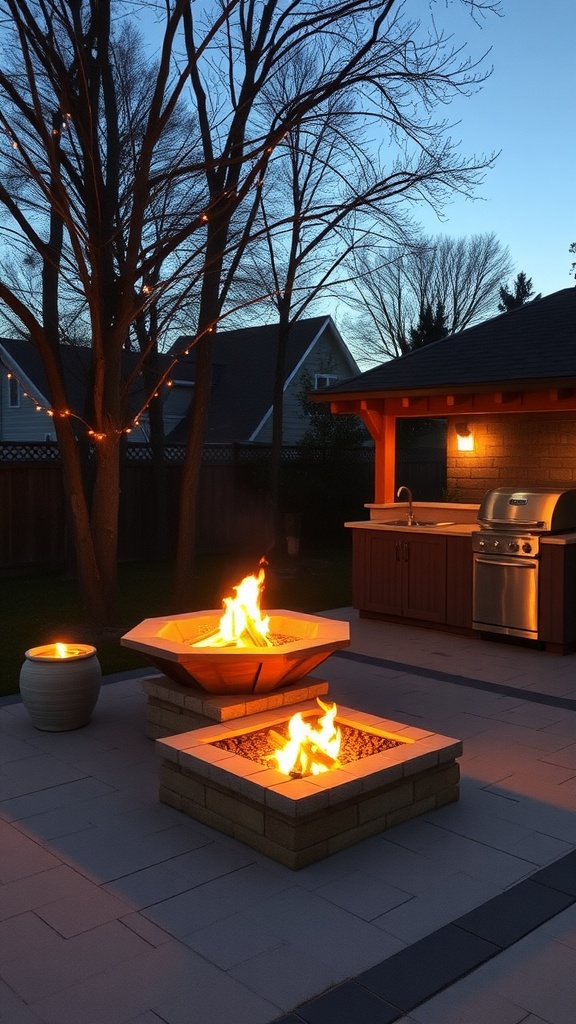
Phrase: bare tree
[376,61]
[88,168]
[309,217]
[393,287]
[90,175]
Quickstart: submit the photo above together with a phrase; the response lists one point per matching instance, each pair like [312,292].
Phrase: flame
[309,750]
[242,624]
[63,650]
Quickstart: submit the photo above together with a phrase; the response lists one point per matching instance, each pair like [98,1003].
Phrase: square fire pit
[299,821]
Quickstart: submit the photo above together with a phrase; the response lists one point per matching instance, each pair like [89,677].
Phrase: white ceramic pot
[60,690]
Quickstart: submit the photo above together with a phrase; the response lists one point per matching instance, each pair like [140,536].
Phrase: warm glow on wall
[464,438]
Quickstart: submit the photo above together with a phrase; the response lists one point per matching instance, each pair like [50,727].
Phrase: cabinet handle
[397,549]
[406,551]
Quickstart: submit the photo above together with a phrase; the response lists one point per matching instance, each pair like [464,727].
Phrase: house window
[324,380]
[13,393]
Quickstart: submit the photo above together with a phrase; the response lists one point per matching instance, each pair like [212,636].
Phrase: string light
[98,435]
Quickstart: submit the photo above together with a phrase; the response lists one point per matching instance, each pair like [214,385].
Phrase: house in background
[24,403]
[506,388]
[244,365]
[242,391]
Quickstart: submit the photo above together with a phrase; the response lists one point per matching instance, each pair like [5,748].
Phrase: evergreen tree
[523,291]
[431,325]
[327,434]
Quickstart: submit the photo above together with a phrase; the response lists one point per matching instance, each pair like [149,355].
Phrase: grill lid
[534,508]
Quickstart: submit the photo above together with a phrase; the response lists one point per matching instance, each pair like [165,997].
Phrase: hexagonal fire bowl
[300,643]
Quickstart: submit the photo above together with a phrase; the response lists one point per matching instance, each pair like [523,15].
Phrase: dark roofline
[473,359]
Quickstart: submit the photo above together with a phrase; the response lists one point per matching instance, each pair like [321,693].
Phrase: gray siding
[23,423]
[325,357]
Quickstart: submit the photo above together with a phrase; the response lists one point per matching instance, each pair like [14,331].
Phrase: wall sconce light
[464,438]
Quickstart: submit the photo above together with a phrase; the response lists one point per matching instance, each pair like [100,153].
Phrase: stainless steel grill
[506,555]
[534,510]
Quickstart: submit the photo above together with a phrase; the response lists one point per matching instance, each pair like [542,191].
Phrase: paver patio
[115,908]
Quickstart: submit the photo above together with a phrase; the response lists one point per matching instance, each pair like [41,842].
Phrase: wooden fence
[233,513]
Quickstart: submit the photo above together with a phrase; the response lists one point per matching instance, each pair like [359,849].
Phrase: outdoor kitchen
[503,569]
[505,390]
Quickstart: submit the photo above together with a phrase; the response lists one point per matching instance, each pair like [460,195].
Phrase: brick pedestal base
[173,708]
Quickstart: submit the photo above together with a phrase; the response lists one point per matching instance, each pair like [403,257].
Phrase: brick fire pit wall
[299,821]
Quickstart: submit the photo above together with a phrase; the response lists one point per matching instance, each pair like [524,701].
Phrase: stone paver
[115,908]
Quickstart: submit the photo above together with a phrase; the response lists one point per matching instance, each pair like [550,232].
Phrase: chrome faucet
[410,509]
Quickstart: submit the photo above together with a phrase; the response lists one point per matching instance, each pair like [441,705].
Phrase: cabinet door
[459,581]
[557,593]
[377,571]
[424,577]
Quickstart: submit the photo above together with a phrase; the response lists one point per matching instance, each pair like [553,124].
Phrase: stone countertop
[454,519]
[451,529]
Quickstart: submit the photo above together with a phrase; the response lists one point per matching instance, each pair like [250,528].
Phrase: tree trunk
[104,518]
[276,525]
[188,505]
[159,468]
[95,601]
[207,320]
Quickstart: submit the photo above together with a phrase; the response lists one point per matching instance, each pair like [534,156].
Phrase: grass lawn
[43,607]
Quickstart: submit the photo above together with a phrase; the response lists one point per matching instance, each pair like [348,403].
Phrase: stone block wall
[515,449]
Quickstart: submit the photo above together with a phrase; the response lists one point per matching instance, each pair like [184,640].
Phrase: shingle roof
[22,357]
[532,343]
[244,366]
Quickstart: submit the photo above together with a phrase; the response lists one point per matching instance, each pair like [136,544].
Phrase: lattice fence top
[29,451]
[214,454]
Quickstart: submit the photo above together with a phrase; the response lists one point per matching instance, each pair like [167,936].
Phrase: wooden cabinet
[557,600]
[459,582]
[413,576]
[400,573]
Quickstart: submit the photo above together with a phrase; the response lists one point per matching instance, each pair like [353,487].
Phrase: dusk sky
[527,111]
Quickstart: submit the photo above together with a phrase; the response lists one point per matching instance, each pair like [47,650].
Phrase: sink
[419,522]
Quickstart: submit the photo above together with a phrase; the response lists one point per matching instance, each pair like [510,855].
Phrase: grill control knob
[513,546]
[496,544]
[527,547]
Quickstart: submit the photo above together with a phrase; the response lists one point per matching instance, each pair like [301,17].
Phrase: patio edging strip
[393,988]
[535,697]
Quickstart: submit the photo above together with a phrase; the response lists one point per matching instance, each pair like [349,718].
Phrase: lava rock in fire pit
[259,747]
